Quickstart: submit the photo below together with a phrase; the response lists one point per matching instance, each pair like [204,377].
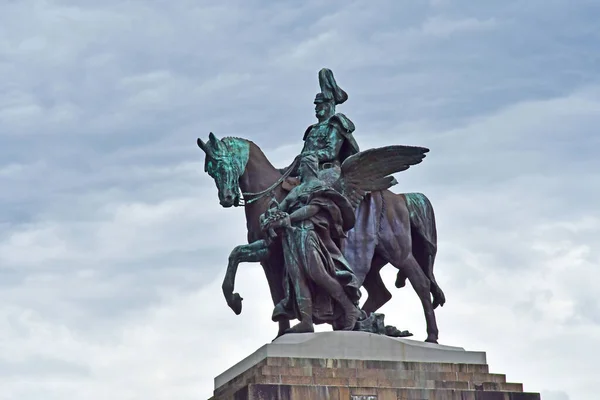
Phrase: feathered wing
[371,170]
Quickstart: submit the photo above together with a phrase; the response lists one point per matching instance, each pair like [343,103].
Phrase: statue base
[363,366]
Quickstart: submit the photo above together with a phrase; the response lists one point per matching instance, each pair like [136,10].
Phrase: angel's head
[309,166]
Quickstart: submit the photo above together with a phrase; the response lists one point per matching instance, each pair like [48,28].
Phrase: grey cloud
[41,367]
[105,259]
[555,395]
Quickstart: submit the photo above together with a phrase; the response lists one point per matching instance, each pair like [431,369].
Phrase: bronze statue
[319,284]
[330,139]
[389,228]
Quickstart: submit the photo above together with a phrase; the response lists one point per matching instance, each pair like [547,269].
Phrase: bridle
[268,191]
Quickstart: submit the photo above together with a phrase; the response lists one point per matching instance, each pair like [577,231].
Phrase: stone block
[317,392]
[304,367]
[332,348]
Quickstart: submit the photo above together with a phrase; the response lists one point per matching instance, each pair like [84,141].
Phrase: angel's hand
[281,223]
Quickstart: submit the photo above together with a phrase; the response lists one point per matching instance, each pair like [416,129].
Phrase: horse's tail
[424,241]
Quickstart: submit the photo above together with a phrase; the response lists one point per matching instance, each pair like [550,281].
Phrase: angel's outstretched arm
[304,213]
[285,203]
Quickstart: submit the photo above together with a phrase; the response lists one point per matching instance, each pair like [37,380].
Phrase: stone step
[370,378]
[314,392]
[368,364]
[361,366]
[390,383]
[356,350]
[374,374]
[427,380]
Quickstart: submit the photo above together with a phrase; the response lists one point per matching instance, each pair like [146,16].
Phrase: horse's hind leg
[421,284]
[377,293]
[439,298]
[400,279]
[425,252]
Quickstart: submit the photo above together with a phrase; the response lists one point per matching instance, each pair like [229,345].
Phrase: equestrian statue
[324,226]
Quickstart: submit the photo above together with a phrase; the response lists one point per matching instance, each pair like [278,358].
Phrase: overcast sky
[112,242]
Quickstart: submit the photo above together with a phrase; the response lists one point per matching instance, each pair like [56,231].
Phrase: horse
[398,229]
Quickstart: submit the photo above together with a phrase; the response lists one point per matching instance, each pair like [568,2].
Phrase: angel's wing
[371,170]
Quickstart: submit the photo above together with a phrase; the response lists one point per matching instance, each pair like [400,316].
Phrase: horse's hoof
[400,282]
[302,327]
[236,304]
[439,299]
[431,340]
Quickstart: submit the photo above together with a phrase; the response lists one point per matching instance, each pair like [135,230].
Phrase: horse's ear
[205,147]
[215,144]
[213,139]
[202,145]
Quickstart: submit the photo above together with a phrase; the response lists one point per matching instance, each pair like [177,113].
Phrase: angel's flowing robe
[311,247]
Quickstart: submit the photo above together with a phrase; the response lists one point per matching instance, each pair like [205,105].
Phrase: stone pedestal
[363,366]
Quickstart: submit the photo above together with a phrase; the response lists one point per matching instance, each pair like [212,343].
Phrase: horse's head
[225,162]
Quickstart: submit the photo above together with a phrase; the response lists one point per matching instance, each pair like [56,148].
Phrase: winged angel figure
[311,222]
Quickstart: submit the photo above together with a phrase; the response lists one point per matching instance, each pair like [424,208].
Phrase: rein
[270,189]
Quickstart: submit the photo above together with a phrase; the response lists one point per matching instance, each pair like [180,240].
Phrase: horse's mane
[229,139]
[236,138]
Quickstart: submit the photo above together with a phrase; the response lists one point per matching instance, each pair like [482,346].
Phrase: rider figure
[330,139]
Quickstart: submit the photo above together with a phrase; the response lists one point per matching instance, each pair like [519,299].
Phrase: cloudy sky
[113,244]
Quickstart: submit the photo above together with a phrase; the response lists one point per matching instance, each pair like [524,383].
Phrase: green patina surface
[416,202]
[320,210]
[228,160]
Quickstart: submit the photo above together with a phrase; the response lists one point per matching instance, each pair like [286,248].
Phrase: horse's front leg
[253,252]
